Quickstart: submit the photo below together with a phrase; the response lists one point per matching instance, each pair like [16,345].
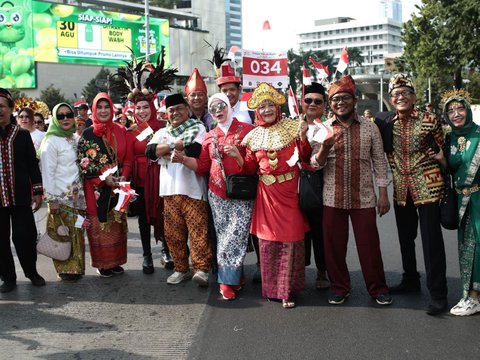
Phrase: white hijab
[222,97]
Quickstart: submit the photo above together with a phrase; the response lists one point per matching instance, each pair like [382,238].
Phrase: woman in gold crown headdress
[273,149]
[462,152]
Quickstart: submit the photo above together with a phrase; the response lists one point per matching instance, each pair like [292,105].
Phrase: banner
[75,35]
[260,67]
[17,66]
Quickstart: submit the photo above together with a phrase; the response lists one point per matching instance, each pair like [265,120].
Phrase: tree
[98,84]
[296,62]
[443,38]
[355,56]
[52,96]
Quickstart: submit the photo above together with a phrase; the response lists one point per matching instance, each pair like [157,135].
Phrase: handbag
[310,189]
[58,250]
[448,205]
[240,187]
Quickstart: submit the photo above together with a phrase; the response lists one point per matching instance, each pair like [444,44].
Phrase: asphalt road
[137,316]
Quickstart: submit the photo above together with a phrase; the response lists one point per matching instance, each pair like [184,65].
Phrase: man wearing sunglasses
[22,189]
[313,106]
[418,186]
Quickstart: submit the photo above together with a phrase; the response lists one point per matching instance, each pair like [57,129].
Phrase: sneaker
[201,278]
[37,280]
[384,299]
[117,270]
[466,307]
[105,273]
[335,299]
[166,260]
[178,277]
[227,292]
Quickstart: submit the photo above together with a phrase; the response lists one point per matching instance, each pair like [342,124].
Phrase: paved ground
[137,316]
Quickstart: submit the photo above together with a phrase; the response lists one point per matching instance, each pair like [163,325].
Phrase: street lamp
[380,102]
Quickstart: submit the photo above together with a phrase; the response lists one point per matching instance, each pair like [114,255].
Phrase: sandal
[288,303]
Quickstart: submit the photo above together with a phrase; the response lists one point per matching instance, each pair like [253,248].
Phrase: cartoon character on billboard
[12,28]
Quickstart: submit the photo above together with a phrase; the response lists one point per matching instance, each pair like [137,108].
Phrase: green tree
[296,62]
[99,84]
[443,38]
[52,96]
[355,56]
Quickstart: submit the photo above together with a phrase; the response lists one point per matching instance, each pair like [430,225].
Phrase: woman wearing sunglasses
[64,190]
[105,160]
[221,148]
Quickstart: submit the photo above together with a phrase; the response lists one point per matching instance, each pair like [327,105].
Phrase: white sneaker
[466,307]
[178,277]
[201,278]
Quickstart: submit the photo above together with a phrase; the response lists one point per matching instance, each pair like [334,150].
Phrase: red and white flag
[292,103]
[244,100]
[107,170]
[306,76]
[125,195]
[343,62]
[232,51]
[142,131]
[322,70]
[266,25]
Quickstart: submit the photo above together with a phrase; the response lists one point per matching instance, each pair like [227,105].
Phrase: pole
[147,31]
[429,91]
[380,103]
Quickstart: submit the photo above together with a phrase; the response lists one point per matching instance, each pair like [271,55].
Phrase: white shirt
[241,115]
[37,137]
[175,178]
[60,172]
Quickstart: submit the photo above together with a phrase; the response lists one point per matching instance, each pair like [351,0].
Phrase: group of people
[179,173]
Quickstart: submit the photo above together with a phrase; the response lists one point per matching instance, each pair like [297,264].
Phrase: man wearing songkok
[184,193]
[347,158]
[418,186]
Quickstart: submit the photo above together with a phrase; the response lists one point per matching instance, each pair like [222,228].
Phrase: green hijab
[54,128]
[469,126]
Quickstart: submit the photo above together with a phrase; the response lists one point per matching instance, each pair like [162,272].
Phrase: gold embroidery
[462,143]
[272,138]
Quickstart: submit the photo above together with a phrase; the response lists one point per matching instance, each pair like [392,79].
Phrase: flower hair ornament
[140,80]
[455,94]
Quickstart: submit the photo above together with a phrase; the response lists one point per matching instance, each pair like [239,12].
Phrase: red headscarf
[100,129]
[153,121]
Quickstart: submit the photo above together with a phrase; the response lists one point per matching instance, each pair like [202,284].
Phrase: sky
[289,17]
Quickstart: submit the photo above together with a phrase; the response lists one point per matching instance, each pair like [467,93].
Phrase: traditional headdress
[265,91]
[460,96]
[224,72]
[35,105]
[399,80]
[141,80]
[195,83]
[81,104]
[345,84]
[6,94]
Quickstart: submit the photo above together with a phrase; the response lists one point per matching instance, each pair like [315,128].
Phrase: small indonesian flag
[323,133]
[343,62]
[232,51]
[266,25]
[292,103]
[125,195]
[142,131]
[306,76]
[243,101]
[108,170]
[322,70]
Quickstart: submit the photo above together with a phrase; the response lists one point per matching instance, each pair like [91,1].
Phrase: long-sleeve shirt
[347,173]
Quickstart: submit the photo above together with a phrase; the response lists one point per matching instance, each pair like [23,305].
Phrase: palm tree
[355,57]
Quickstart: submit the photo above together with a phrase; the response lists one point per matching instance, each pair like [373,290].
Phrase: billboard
[36,31]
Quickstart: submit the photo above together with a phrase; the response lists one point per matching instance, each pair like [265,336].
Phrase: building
[391,9]
[373,37]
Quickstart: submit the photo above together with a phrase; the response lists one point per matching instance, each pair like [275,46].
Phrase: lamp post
[380,102]
[147,30]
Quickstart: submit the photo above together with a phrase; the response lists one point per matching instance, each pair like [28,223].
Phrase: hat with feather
[140,80]
[223,69]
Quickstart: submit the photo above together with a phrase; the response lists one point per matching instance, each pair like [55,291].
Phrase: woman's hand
[54,207]
[177,156]
[440,157]
[302,130]
[232,151]
[110,181]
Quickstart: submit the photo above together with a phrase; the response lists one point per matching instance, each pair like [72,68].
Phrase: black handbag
[243,187]
[310,193]
[448,205]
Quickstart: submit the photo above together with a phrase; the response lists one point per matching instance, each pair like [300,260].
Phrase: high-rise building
[391,9]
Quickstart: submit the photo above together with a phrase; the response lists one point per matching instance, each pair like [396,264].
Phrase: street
[137,316]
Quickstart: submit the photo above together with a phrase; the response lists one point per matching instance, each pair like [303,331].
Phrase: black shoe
[8,286]
[70,277]
[117,270]
[384,299]
[37,280]
[407,285]
[167,260]
[257,275]
[147,266]
[437,307]
[105,273]
[335,299]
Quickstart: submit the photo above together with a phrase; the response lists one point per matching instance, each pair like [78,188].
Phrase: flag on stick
[306,76]
[292,103]
[343,62]
[322,70]
[266,25]
[232,51]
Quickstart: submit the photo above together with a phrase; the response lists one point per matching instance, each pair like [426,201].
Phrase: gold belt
[466,191]
[269,179]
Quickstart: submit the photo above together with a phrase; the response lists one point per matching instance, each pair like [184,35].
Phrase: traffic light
[427,95]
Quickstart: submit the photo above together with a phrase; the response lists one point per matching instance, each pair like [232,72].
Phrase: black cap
[315,88]
[174,99]
[6,94]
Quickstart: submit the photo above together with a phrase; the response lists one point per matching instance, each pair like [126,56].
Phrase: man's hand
[36,202]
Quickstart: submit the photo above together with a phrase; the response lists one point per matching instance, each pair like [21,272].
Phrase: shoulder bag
[58,250]
[310,189]
[448,205]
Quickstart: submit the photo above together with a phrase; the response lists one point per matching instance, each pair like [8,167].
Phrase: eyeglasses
[39,122]
[458,109]
[63,116]
[218,107]
[403,93]
[344,98]
[308,101]
[22,116]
